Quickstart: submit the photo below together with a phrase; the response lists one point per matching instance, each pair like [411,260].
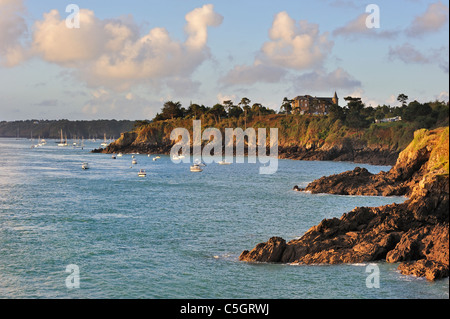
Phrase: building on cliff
[307,104]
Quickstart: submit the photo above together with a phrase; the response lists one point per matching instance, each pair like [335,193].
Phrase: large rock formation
[415,233]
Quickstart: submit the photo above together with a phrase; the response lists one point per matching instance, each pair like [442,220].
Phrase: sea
[105,232]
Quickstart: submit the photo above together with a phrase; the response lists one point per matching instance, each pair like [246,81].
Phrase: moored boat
[142,173]
[196,168]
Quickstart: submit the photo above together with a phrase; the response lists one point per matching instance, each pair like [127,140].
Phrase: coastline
[414,233]
[366,155]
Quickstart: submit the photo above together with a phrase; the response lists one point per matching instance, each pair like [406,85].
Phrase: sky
[124,59]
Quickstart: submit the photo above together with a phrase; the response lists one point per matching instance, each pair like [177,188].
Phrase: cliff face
[415,233]
[301,138]
[347,150]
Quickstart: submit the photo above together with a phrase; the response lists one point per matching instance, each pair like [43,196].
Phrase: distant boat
[134,161]
[196,168]
[154,159]
[142,173]
[224,163]
[104,144]
[85,165]
[119,155]
[175,157]
[113,156]
[199,162]
[62,142]
[158,157]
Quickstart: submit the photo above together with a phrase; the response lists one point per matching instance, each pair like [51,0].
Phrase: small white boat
[134,161]
[175,157]
[119,155]
[142,173]
[199,163]
[158,157]
[85,165]
[224,163]
[132,156]
[154,159]
[104,144]
[113,156]
[196,168]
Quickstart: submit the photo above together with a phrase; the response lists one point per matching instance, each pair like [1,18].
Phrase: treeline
[357,115]
[72,129]
[352,122]
[174,110]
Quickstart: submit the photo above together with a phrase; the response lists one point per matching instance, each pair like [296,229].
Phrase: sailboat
[104,144]
[62,143]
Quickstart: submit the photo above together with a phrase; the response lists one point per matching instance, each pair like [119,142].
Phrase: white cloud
[410,55]
[110,104]
[258,72]
[296,46]
[434,18]
[357,28]
[198,21]
[111,53]
[56,43]
[322,81]
[443,96]
[291,46]
[12,29]
[224,97]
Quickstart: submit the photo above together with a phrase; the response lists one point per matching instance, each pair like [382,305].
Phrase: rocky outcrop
[339,152]
[155,139]
[414,233]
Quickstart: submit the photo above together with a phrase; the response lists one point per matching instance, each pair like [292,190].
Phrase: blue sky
[129,57]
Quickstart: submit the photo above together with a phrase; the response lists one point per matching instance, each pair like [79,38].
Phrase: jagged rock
[415,232]
[270,251]
[429,269]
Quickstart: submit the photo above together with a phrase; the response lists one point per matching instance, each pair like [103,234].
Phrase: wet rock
[415,233]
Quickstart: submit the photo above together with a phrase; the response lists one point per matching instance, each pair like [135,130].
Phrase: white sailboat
[104,144]
[196,168]
[62,142]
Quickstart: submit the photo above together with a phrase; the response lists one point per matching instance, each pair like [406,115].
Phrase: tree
[414,110]
[235,111]
[139,123]
[354,113]
[246,109]
[172,110]
[228,104]
[286,106]
[335,112]
[194,110]
[402,98]
[218,111]
[244,102]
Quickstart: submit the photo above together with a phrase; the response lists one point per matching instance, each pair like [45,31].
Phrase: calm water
[173,234]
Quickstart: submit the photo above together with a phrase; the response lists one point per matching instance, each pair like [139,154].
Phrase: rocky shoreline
[414,233]
[372,156]
[346,152]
